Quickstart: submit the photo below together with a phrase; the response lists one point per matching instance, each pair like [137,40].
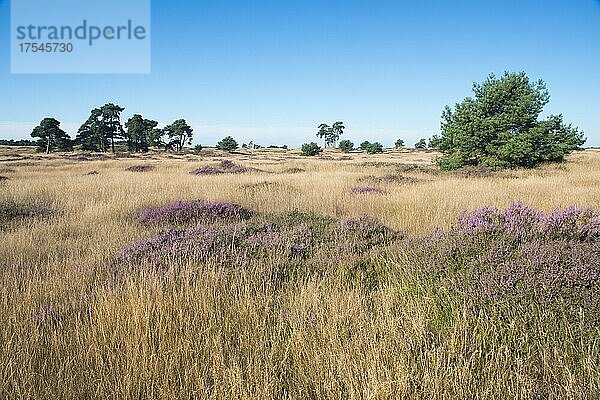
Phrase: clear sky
[271,71]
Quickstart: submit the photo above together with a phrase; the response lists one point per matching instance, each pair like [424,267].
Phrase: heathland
[264,274]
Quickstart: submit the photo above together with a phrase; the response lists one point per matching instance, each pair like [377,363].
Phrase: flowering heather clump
[583,223]
[293,170]
[225,167]
[140,168]
[524,223]
[390,178]
[240,242]
[11,210]
[363,232]
[199,242]
[366,190]
[364,227]
[46,316]
[207,170]
[479,171]
[183,212]
[520,254]
[264,185]
[279,238]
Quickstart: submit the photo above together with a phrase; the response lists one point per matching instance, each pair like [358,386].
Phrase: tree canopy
[140,133]
[310,149]
[331,134]
[371,148]
[51,137]
[101,129]
[421,144]
[179,133]
[228,143]
[500,127]
[346,146]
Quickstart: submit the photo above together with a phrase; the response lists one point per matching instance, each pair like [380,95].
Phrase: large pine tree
[51,137]
[500,127]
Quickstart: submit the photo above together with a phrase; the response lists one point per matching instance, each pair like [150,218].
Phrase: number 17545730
[46,47]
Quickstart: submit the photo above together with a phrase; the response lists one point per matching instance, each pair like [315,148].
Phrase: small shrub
[364,228]
[47,317]
[140,168]
[519,255]
[479,171]
[264,185]
[224,167]
[15,211]
[366,190]
[346,146]
[399,143]
[390,178]
[185,212]
[311,149]
[375,148]
[293,170]
[207,170]
[227,144]
[421,144]
[197,149]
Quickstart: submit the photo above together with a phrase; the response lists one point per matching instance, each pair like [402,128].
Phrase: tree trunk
[48,145]
[112,144]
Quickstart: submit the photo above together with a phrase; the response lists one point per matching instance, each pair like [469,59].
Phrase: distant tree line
[499,127]
[12,142]
[331,135]
[103,130]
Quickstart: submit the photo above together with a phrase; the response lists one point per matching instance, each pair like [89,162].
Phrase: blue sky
[272,71]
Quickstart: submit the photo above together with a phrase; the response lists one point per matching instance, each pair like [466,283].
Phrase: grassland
[70,327]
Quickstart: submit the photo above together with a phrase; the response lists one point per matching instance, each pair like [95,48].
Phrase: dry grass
[221,333]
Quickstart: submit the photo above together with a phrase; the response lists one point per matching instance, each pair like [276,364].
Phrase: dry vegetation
[70,327]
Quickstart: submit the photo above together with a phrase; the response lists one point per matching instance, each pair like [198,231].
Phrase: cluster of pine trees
[103,129]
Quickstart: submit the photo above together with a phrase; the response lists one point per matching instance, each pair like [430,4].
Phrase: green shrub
[346,146]
[421,144]
[375,148]
[310,149]
[227,144]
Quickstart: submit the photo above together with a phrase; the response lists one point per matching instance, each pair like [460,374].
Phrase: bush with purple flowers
[185,212]
[140,168]
[225,237]
[522,222]
[363,233]
[224,167]
[13,211]
[518,255]
[366,190]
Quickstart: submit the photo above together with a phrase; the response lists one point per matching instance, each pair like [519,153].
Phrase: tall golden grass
[225,333]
